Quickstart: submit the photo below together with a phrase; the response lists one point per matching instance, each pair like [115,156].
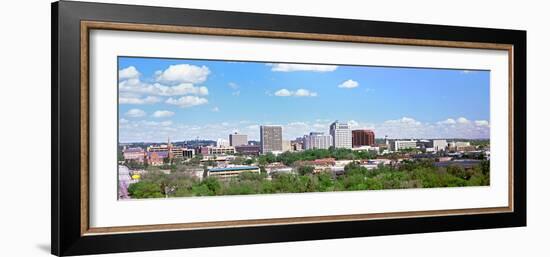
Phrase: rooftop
[233,168]
[133,150]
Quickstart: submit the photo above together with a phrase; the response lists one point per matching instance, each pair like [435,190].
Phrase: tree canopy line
[288,158]
[409,174]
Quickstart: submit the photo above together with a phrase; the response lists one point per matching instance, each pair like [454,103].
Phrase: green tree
[213,185]
[145,189]
[266,187]
[326,182]
[485,167]
[304,170]
[252,176]
[201,190]
[459,171]
[267,158]
[249,161]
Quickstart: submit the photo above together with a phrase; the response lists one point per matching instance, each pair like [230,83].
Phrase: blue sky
[185,99]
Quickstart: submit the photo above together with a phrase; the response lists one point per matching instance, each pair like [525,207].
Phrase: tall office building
[298,144]
[238,139]
[271,138]
[362,137]
[317,140]
[341,135]
[287,146]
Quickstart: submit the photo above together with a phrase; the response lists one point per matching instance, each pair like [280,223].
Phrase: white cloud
[234,87]
[183,73]
[163,114]
[135,113]
[304,92]
[448,121]
[255,126]
[122,121]
[349,84]
[298,93]
[187,101]
[298,123]
[128,73]
[138,100]
[176,80]
[404,120]
[137,87]
[353,124]
[283,92]
[166,123]
[186,89]
[482,123]
[449,128]
[287,67]
[319,127]
[462,120]
[216,109]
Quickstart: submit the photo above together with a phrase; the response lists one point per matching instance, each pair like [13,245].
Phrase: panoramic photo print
[190,128]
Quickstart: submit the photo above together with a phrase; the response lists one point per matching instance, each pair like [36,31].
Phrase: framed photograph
[178,128]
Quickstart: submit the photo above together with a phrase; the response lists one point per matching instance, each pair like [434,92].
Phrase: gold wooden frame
[86,26]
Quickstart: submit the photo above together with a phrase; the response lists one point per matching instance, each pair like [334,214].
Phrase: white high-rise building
[317,140]
[222,142]
[238,139]
[439,145]
[341,135]
[271,138]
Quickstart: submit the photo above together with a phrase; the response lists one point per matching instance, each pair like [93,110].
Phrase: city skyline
[186,99]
